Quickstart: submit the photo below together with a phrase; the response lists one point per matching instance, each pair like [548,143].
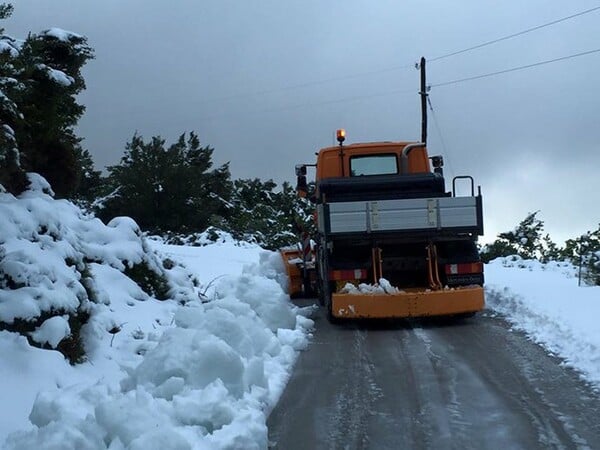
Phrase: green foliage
[585,251]
[151,282]
[550,251]
[527,237]
[525,240]
[71,347]
[39,82]
[90,183]
[6,10]
[497,249]
[268,217]
[167,188]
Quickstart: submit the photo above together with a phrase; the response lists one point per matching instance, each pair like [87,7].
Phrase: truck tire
[324,284]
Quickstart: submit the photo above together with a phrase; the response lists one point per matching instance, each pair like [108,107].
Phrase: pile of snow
[49,245]
[545,301]
[201,369]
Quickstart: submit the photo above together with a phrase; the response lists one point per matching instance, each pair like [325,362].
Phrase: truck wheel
[329,308]
[330,317]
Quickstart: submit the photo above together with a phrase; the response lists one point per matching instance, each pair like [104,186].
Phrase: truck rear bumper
[408,304]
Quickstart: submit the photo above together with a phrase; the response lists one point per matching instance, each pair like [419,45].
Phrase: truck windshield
[373,165]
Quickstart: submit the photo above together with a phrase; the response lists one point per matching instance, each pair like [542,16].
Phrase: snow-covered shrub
[51,253]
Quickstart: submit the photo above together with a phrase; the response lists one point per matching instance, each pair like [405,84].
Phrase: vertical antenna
[423,94]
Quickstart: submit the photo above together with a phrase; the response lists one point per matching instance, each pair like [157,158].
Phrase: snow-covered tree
[40,78]
[12,176]
[527,240]
[585,251]
[262,213]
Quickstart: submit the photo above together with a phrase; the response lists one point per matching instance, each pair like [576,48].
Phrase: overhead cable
[400,67]
[315,82]
[510,36]
[514,69]
[312,104]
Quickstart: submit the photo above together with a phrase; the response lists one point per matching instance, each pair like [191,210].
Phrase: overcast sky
[266,83]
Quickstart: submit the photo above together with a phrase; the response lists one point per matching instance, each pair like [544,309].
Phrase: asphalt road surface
[473,384]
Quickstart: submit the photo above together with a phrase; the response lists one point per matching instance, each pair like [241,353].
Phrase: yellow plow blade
[290,257]
[408,304]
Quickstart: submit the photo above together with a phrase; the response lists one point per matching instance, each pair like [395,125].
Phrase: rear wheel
[324,285]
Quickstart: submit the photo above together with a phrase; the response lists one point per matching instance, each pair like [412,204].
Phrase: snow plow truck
[390,241]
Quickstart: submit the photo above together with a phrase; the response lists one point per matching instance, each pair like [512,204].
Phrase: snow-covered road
[474,384]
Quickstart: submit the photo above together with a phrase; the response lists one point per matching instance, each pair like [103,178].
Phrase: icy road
[428,385]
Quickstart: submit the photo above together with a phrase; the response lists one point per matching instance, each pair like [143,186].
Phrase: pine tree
[167,189]
[585,251]
[271,217]
[525,241]
[90,182]
[50,67]
[12,175]
[39,82]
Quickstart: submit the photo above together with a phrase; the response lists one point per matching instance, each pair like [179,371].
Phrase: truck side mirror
[438,163]
[301,186]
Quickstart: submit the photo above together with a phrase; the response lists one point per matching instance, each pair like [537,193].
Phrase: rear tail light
[342,275]
[464,268]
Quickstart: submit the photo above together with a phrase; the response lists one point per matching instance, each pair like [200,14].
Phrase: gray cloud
[224,68]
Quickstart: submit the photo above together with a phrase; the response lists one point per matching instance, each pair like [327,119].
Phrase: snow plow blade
[291,256]
[444,302]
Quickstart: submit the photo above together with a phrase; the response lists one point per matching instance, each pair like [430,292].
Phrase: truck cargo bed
[462,214]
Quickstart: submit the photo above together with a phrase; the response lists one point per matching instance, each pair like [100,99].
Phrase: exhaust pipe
[404,158]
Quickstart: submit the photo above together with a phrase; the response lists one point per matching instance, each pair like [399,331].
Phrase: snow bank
[199,370]
[209,382]
[545,301]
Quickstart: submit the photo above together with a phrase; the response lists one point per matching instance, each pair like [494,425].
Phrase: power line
[314,83]
[514,69]
[510,36]
[312,104]
[439,132]
[401,67]
[399,91]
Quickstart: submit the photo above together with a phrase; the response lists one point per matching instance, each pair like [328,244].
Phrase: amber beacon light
[340,135]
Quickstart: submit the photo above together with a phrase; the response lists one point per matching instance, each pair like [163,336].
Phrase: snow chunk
[38,183]
[60,34]
[8,45]
[60,77]
[194,355]
[383,287]
[52,331]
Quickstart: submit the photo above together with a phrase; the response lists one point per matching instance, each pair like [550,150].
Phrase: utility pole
[423,94]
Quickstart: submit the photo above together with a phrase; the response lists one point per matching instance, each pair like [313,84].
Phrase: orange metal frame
[408,304]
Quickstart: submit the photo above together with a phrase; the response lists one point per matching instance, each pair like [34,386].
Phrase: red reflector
[459,269]
[356,274]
